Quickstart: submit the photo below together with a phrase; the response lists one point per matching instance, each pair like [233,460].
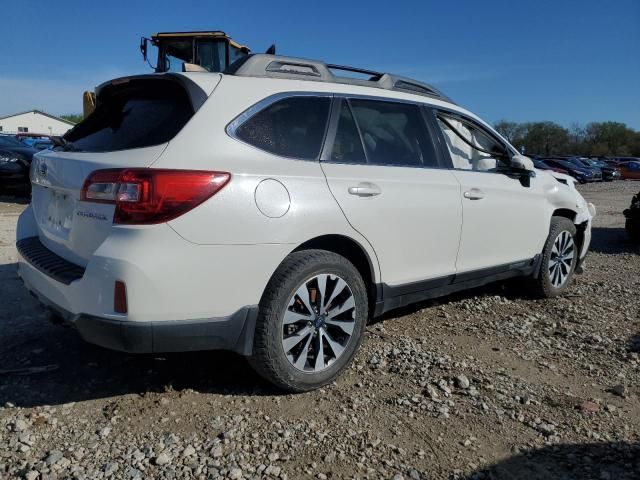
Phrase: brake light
[145,196]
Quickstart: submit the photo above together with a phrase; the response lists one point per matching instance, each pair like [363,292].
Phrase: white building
[34,121]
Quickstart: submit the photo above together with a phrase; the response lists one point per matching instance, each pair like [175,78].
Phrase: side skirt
[397,296]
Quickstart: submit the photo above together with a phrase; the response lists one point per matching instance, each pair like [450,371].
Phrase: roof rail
[278,66]
[377,75]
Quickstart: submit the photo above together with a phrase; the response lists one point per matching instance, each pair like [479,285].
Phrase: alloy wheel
[561,259]
[318,323]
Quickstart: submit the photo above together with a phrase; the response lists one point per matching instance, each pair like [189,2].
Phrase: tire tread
[263,359]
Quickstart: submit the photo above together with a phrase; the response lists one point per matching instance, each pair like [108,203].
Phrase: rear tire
[559,259]
[311,321]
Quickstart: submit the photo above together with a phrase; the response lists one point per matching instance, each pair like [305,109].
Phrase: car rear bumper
[180,296]
[233,332]
[166,278]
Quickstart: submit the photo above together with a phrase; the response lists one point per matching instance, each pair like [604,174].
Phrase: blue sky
[565,61]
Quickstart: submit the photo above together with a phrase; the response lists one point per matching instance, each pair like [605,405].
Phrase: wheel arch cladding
[352,251]
[566,213]
[572,215]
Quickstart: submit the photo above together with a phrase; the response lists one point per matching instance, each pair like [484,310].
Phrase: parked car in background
[42,144]
[15,162]
[32,139]
[630,170]
[609,172]
[583,163]
[625,159]
[539,164]
[581,174]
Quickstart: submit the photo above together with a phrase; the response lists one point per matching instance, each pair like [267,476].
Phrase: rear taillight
[147,195]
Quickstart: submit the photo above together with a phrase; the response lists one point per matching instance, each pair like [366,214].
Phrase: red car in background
[629,170]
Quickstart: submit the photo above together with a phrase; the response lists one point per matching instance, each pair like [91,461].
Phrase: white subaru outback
[275,208]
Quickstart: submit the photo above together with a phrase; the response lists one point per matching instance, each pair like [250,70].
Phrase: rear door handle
[365,189]
[474,194]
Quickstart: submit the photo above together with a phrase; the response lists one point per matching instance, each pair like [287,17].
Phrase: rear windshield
[139,113]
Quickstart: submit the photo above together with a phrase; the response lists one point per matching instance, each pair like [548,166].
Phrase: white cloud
[55,95]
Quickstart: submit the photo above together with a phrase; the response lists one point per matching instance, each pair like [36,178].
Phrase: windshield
[209,54]
[567,164]
[175,54]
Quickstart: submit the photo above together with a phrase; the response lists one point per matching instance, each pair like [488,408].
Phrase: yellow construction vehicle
[211,51]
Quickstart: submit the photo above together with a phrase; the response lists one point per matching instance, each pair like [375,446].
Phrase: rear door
[504,220]
[382,168]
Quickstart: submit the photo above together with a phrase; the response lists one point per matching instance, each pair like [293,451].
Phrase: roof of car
[278,66]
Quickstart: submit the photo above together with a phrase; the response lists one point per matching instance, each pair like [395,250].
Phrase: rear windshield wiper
[66,145]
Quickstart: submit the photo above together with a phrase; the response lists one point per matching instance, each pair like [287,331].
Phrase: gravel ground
[484,384]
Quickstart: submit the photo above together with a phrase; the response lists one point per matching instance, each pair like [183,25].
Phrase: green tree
[610,138]
[72,117]
[577,139]
[634,147]
[544,138]
[512,131]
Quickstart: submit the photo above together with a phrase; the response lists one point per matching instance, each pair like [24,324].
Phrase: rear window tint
[292,127]
[140,113]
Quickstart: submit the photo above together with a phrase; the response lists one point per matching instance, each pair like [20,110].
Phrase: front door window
[470,147]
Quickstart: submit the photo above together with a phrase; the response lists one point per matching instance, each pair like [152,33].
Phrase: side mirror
[143,47]
[524,168]
[520,162]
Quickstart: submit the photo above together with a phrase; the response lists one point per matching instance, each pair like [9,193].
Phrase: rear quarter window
[136,114]
[292,127]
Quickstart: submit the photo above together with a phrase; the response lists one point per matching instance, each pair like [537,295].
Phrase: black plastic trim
[234,333]
[401,295]
[52,265]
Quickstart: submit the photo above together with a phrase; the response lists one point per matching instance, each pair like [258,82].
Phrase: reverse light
[144,196]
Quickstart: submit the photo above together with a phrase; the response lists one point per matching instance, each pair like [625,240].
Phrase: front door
[504,218]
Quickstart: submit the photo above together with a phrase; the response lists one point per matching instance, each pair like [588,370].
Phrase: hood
[23,152]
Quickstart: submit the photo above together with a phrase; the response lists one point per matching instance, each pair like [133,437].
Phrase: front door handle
[474,194]
[365,189]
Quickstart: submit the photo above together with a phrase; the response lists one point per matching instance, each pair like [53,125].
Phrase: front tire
[559,259]
[311,321]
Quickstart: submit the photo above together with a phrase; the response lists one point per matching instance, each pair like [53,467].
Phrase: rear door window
[347,146]
[292,127]
[394,134]
[136,114]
